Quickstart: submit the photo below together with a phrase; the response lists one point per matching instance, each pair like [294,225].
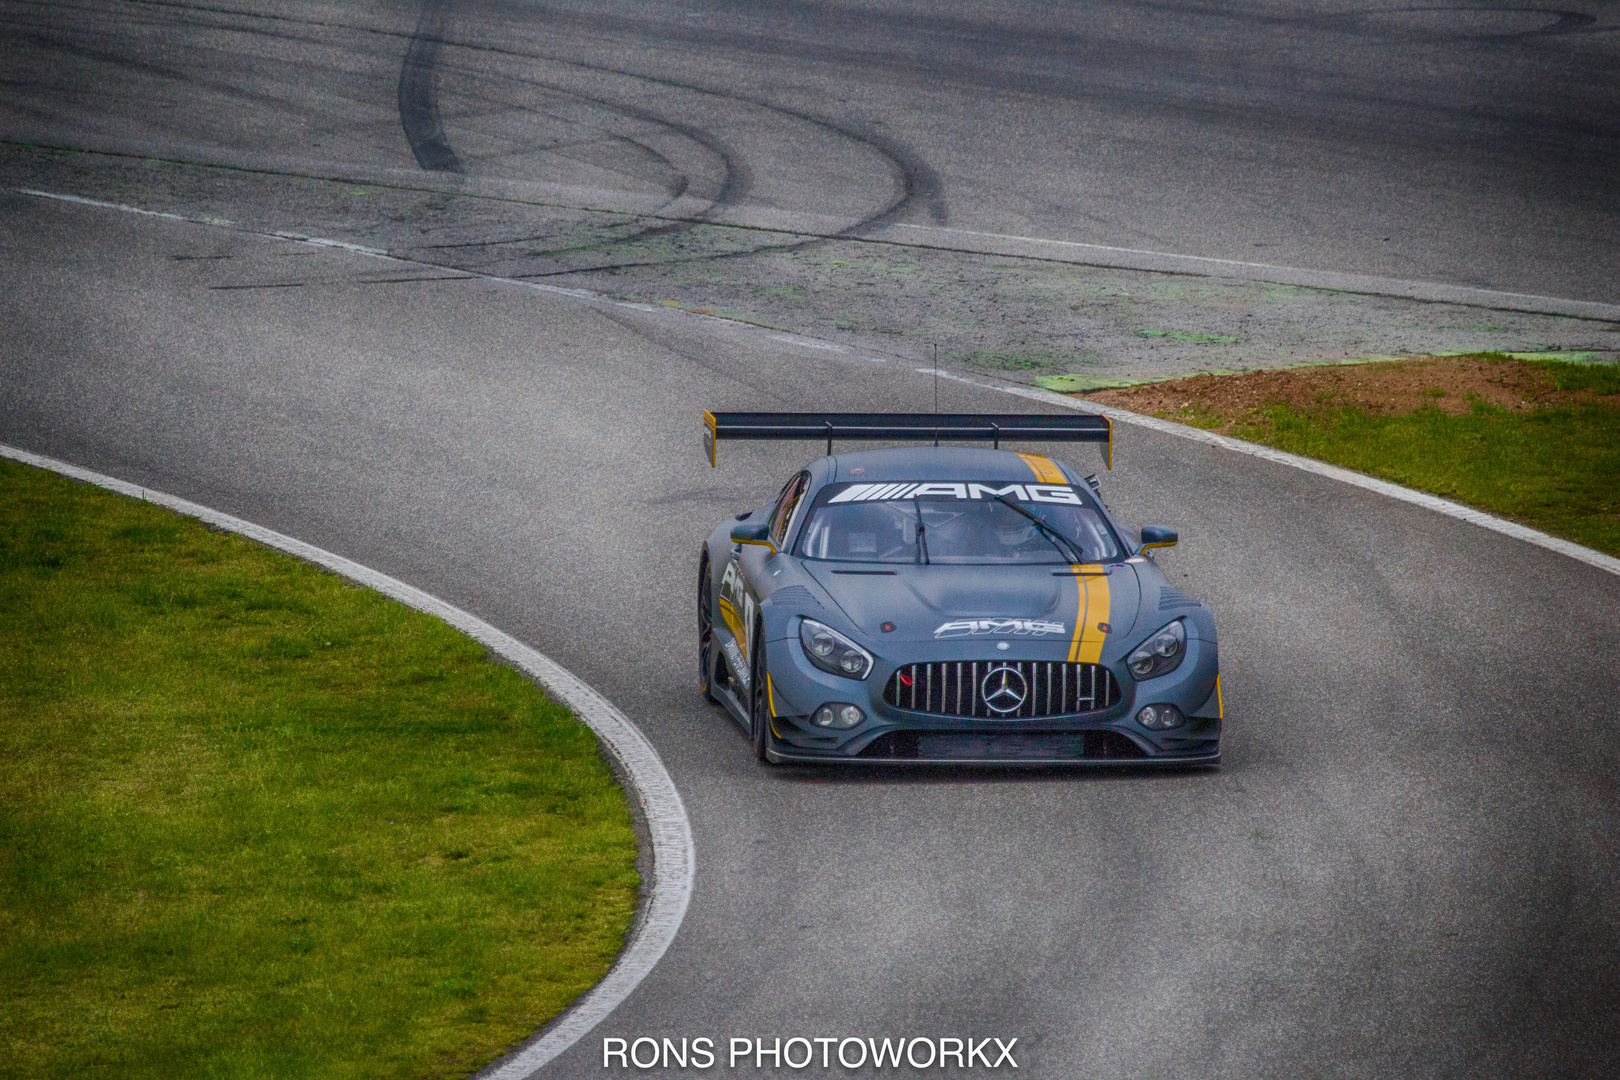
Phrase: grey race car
[949,604]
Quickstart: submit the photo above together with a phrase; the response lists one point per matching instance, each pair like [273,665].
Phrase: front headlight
[1159,654]
[831,651]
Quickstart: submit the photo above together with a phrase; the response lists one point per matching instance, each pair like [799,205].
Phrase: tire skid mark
[915,181]
[1383,108]
[735,185]
[419,92]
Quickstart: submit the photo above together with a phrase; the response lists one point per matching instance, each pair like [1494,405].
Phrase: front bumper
[891,735]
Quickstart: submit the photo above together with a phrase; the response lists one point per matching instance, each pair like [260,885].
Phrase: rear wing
[902,427]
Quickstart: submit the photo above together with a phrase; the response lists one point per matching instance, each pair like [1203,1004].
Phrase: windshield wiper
[922,535]
[1059,541]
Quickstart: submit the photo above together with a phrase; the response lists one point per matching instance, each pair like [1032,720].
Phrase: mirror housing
[1157,536]
[753,533]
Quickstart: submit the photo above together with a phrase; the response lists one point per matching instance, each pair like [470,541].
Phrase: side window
[786,502]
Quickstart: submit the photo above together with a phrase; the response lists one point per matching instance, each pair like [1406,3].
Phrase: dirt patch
[1450,384]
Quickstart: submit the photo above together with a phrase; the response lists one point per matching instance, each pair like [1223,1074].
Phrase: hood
[923,602]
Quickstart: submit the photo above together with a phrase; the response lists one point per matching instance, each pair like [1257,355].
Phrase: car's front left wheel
[759,716]
[706,630]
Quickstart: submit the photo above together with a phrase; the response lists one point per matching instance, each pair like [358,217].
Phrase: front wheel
[759,716]
[705,630]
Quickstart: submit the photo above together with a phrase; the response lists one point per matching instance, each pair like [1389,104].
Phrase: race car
[949,604]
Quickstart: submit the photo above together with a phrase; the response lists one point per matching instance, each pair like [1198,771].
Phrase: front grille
[956,688]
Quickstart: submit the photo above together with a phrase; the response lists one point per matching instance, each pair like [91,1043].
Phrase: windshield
[967,523]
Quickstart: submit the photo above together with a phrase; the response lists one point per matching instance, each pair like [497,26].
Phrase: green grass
[1598,378]
[257,822]
[1556,469]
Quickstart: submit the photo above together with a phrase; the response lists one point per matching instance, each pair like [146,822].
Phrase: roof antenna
[936,389]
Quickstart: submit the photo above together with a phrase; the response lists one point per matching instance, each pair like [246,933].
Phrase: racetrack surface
[1406,865]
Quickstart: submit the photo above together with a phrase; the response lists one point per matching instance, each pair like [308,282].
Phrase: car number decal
[737,608]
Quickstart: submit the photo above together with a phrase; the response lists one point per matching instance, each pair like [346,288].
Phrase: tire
[759,721]
[706,631]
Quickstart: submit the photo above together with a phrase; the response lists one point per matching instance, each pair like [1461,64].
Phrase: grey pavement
[1406,865]
[702,155]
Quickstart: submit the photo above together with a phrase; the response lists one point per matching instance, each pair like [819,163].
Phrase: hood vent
[1174,598]
[795,595]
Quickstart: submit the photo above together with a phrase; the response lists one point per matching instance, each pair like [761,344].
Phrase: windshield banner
[1046,493]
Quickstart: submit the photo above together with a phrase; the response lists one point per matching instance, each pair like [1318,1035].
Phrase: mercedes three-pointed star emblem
[1003,690]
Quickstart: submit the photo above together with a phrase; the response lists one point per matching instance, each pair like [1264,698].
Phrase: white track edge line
[1100,255]
[340,245]
[1384,487]
[373,253]
[1330,280]
[1321,468]
[670,829]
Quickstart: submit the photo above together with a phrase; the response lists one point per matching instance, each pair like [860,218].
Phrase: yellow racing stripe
[1045,469]
[1094,602]
[1095,606]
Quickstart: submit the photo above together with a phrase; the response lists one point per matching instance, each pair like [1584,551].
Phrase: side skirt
[727,693]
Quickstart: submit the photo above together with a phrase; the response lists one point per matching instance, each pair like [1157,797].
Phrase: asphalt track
[1407,864]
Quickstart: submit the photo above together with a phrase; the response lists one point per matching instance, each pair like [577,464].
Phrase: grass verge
[258,822]
[1531,439]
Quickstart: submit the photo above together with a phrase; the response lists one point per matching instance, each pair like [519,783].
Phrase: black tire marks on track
[419,91]
[736,182]
[916,183]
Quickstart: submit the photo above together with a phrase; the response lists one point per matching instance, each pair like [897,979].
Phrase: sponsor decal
[739,666]
[1047,493]
[997,627]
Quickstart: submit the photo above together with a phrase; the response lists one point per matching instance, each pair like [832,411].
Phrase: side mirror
[753,533]
[1157,536]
